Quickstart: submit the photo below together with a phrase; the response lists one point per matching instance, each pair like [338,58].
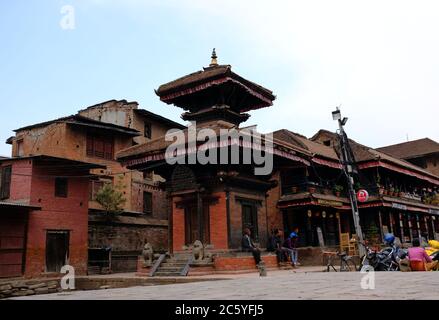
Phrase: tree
[111,198]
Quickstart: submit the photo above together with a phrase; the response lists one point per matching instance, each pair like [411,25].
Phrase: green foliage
[111,198]
[357,186]
[338,188]
[373,233]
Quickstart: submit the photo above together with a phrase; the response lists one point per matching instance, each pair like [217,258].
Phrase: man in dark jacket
[249,246]
[275,245]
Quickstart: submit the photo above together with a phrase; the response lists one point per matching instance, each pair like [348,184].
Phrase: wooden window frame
[94,187]
[5,182]
[147,130]
[145,209]
[254,216]
[99,146]
[64,192]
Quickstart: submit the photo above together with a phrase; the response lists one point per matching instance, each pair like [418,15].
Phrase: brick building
[95,135]
[423,152]
[403,197]
[43,215]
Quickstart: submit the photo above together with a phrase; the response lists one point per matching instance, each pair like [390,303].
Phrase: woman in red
[418,257]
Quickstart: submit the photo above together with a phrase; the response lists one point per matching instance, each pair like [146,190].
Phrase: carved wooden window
[148,130]
[100,147]
[147,202]
[61,187]
[5,182]
[250,218]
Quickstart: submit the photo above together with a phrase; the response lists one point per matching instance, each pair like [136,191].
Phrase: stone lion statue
[198,250]
[148,254]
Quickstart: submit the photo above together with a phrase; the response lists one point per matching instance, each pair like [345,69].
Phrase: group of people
[285,249]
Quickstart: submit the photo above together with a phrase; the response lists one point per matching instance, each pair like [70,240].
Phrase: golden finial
[214,61]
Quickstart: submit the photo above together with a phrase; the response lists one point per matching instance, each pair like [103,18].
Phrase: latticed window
[147,202]
[100,147]
[148,130]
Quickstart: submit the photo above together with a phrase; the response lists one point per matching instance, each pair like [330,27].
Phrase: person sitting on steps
[249,246]
[275,245]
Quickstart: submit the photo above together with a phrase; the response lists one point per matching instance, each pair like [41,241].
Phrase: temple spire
[214,57]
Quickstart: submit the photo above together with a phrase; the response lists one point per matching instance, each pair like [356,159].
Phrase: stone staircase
[173,266]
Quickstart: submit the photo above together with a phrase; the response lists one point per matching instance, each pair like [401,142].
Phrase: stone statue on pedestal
[148,255]
[198,251]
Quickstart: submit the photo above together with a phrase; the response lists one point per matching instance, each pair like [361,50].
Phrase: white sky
[378,59]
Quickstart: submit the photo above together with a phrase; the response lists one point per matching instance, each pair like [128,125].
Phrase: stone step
[167,274]
[173,264]
[169,269]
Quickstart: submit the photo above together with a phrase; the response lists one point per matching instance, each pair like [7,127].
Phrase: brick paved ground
[278,285]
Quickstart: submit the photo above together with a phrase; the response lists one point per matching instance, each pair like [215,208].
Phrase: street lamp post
[348,169]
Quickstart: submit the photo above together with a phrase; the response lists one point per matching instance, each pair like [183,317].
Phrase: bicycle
[347,263]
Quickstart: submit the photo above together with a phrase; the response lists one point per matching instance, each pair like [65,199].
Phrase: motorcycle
[388,259]
[435,257]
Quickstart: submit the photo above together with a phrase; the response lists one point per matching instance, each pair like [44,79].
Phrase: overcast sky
[378,59]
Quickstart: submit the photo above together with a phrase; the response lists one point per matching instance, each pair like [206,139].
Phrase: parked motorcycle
[388,259]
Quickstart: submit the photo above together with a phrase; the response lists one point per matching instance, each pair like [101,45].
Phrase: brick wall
[275,219]
[20,180]
[242,263]
[218,222]
[127,238]
[69,214]
[178,226]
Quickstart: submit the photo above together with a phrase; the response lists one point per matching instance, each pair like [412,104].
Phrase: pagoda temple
[214,202]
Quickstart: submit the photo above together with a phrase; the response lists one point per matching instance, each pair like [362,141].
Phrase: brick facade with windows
[34,184]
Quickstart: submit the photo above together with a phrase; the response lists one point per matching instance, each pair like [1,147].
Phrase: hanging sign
[399,206]
[362,195]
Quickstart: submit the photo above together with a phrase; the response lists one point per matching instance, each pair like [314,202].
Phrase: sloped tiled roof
[207,74]
[412,149]
[160,144]
[364,153]
[84,121]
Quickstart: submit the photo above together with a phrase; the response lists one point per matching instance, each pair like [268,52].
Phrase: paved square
[280,285]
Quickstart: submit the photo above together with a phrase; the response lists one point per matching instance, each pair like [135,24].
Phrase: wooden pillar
[432,227]
[390,221]
[418,228]
[410,227]
[170,210]
[401,226]
[380,220]
[337,215]
[200,217]
[426,227]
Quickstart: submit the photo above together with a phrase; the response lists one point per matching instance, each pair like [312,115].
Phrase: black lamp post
[348,161]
